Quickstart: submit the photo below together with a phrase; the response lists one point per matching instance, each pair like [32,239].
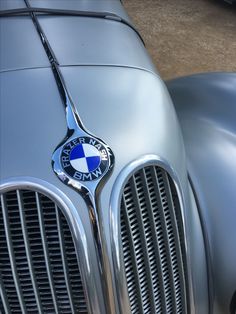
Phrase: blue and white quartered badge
[84,159]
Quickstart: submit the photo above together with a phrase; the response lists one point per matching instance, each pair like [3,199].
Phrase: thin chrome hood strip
[101,15]
[90,190]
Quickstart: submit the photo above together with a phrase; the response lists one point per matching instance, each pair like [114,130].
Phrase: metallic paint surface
[12,4]
[206,107]
[105,42]
[20,46]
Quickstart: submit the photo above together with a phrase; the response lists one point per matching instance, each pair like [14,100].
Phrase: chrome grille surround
[65,290]
[140,250]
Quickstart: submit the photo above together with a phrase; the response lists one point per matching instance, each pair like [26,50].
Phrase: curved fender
[206,106]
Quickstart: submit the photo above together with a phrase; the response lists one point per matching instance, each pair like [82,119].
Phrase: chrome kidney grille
[153,243]
[39,271]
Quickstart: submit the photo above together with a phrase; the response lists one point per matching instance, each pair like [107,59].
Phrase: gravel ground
[187,36]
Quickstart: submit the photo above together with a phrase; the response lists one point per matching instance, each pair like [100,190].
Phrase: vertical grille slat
[11,254]
[39,270]
[3,298]
[177,241]
[164,213]
[27,249]
[143,230]
[46,253]
[64,260]
[150,206]
[133,269]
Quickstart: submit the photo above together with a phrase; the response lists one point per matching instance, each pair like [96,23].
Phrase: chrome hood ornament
[81,160]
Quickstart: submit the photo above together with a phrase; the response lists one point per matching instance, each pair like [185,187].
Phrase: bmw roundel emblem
[85,159]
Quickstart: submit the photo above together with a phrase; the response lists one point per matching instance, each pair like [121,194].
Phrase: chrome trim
[62,12]
[3,297]
[88,190]
[27,248]
[11,254]
[46,252]
[64,259]
[116,244]
[76,227]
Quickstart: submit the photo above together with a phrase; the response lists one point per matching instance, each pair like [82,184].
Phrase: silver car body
[121,99]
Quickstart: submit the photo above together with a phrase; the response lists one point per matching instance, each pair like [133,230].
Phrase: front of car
[97,211]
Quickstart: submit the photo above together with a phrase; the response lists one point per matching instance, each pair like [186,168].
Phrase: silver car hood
[133,114]
[33,118]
